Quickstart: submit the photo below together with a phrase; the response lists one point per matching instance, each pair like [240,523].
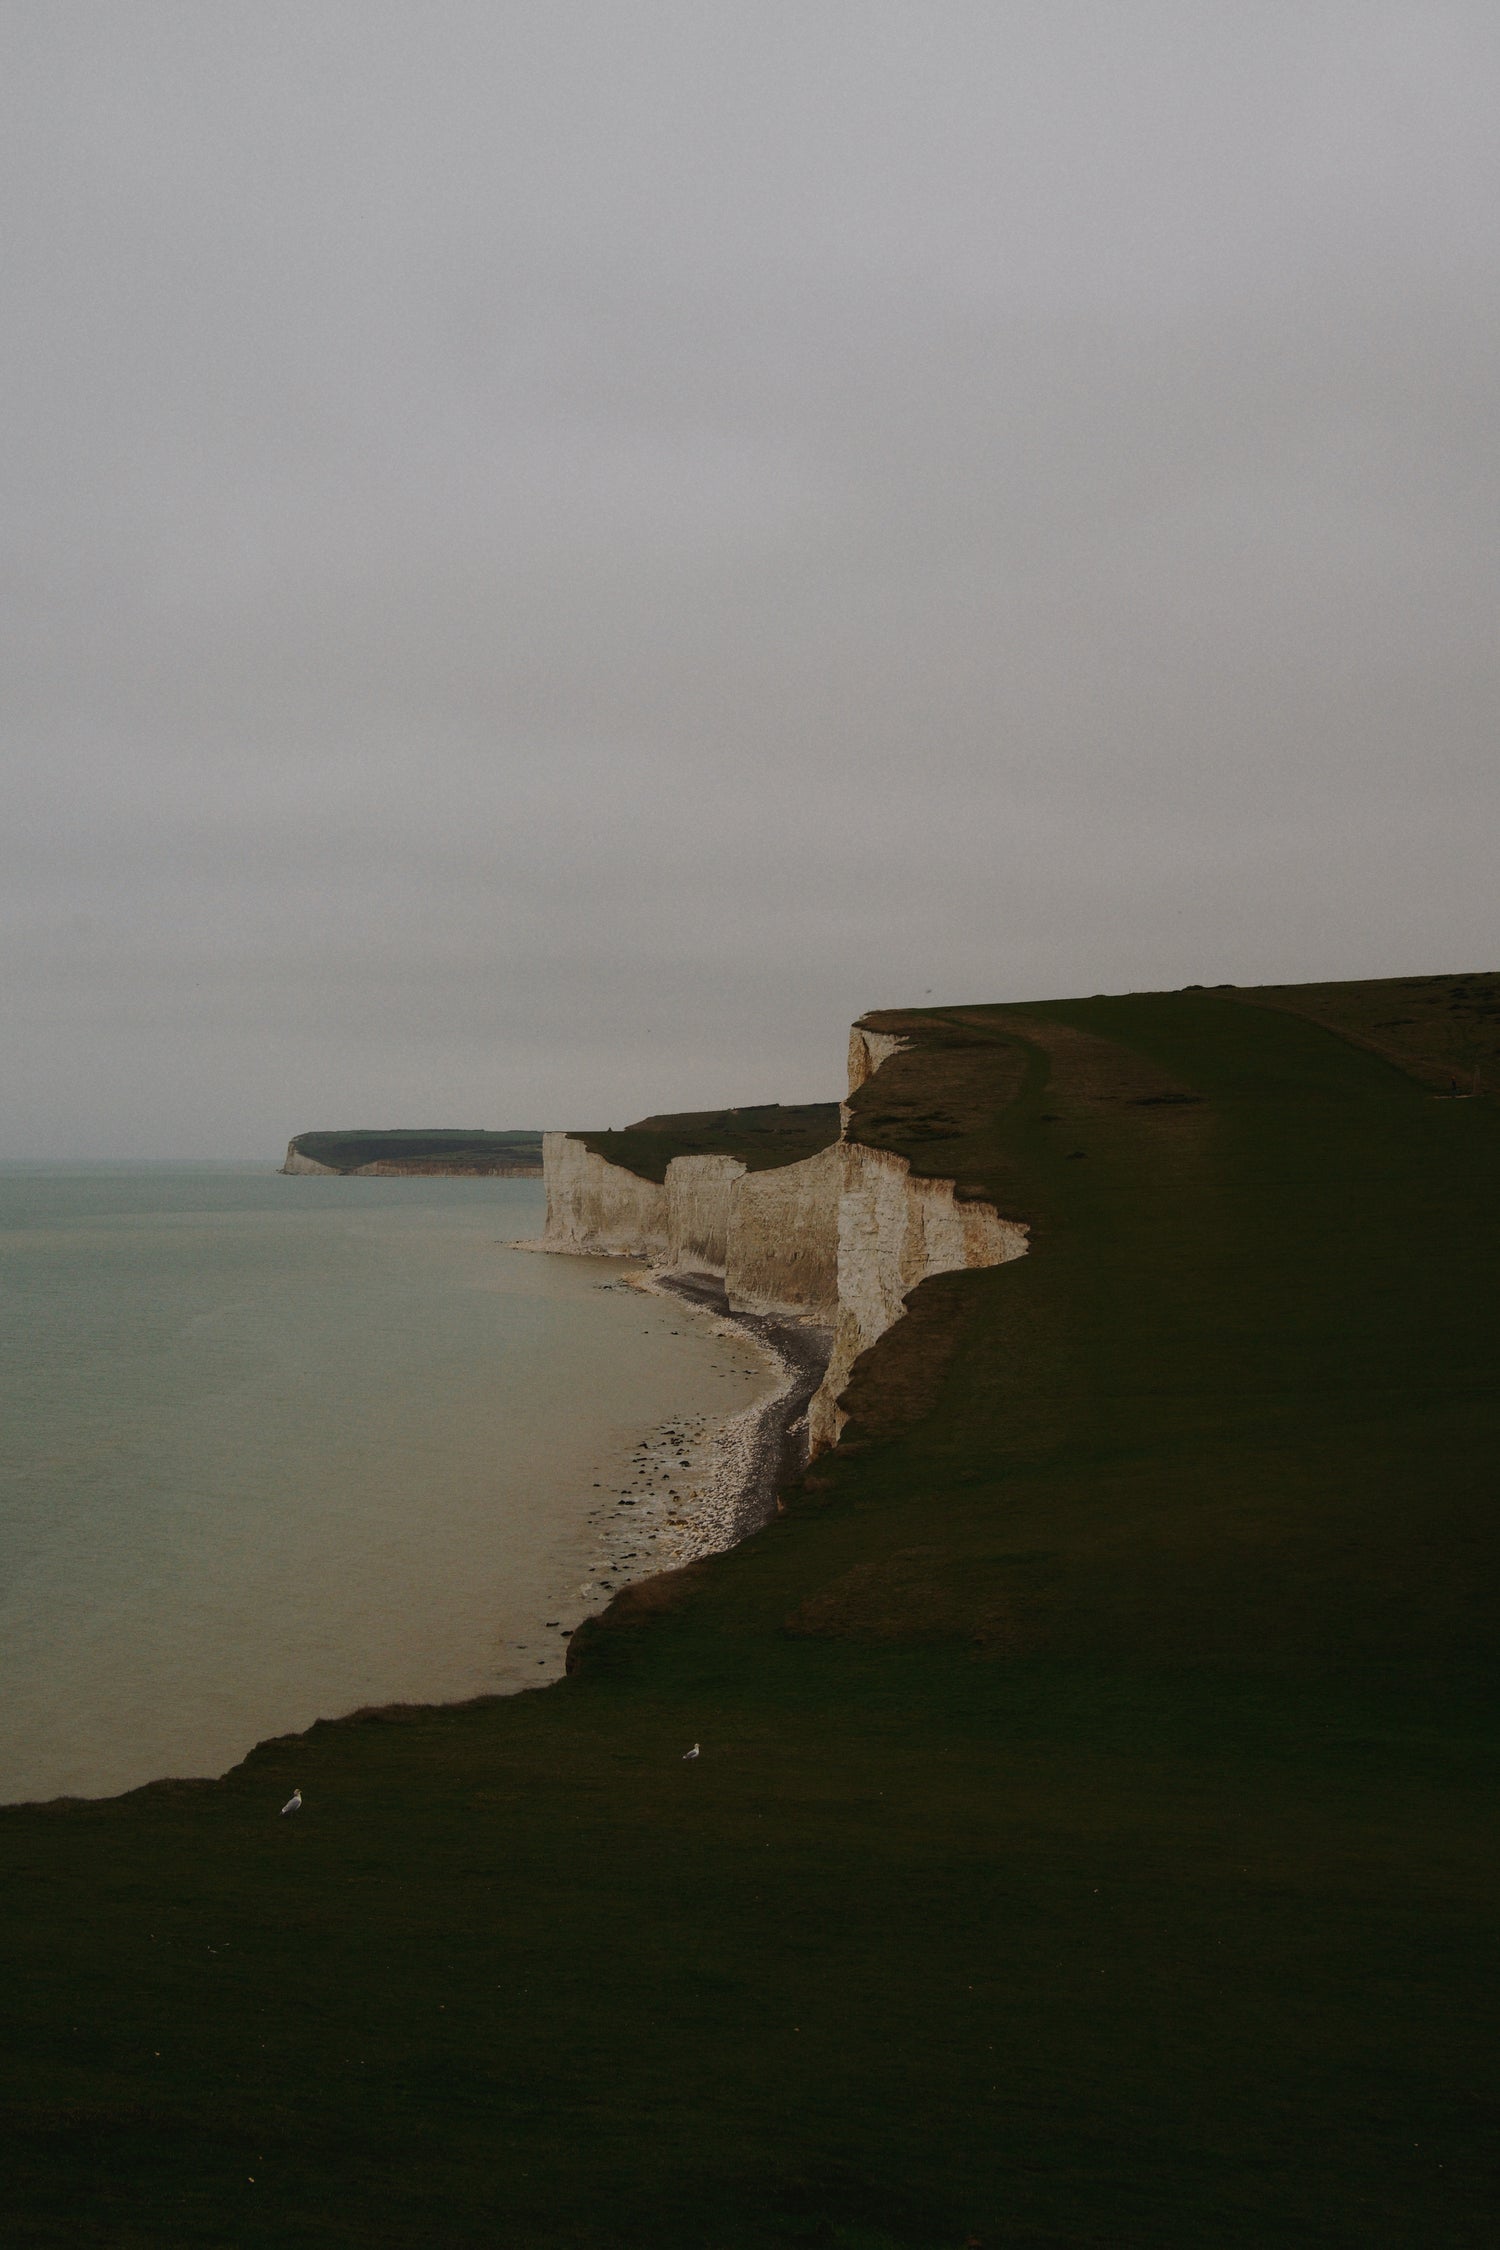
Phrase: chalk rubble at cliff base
[699,1485]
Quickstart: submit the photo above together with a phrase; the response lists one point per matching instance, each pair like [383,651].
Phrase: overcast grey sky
[555,553]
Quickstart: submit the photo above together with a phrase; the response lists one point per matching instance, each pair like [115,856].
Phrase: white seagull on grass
[294,1802]
[690,1753]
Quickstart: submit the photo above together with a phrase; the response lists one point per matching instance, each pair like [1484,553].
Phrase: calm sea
[273,1448]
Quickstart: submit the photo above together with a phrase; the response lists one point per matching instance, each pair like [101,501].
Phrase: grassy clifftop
[1094,1835]
[761,1136]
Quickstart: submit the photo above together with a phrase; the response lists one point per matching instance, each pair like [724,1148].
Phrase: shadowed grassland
[1094,1838]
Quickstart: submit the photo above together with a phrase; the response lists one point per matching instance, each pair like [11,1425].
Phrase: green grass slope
[1445,1030]
[1094,1837]
[761,1136]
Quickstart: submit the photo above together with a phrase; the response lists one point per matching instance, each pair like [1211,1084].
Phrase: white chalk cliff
[842,1239]
[783,1238]
[772,1236]
[600,1209]
[894,1232]
[297,1162]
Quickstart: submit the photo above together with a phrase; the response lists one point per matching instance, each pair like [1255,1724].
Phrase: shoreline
[701,1485]
[770,1436]
[693,1487]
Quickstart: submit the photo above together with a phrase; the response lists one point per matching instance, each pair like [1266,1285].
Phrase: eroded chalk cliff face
[894,1232]
[842,1238]
[594,1206]
[783,1243]
[772,1235]
[699,1196]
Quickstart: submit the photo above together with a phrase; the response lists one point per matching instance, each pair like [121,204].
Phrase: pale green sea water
[273,1448]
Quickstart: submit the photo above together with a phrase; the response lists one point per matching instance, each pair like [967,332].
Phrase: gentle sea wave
[273,1448]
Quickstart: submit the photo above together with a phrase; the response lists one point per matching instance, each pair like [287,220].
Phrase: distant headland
[448,1151]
